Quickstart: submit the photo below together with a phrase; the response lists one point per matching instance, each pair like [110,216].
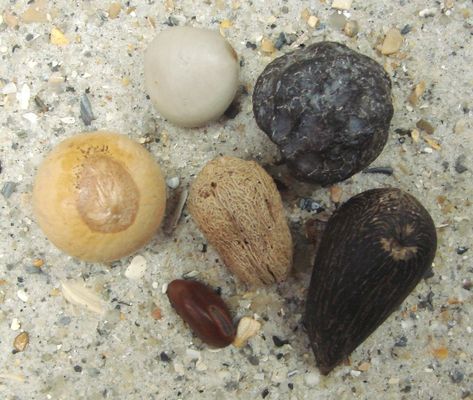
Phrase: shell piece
[327,107]
[99,196]
[375,249]
[204,311]
[76,293]
[237,206]
[247,328]
[191,75]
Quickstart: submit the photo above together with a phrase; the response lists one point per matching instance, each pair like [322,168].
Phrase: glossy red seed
[203,310]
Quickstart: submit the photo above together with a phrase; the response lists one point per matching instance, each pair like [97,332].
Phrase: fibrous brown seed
[375,249]
[237,206]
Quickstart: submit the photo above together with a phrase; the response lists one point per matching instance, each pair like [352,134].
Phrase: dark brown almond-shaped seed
[204,311]
[375,249]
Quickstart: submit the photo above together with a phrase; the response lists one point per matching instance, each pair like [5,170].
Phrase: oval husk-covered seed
[327,107]
[237,206]
[375,249]
[204,311]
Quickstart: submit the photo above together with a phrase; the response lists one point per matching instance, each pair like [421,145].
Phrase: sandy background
[58,50]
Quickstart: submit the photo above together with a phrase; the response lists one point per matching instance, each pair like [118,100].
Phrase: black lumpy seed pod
[327,107]
[375,249]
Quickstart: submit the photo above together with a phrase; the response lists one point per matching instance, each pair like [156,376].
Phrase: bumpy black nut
[327,107]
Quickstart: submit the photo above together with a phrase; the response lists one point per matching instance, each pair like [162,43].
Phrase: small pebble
[86,113]
[392,42]
[337,21]
[425,126]
[8,189]
[416,93]
[164,357]
[21,341]
[114,10]
[401,342]
[456,376]
[351,28]
[310,205]
[467,284]
[460,126]
[460,166]
[280,41]
[65,320]
[267,46]
[279,342]
[462,250]
[57,38]
[406,29]
[312,21]
[137,268]
[173,182]
[77,368]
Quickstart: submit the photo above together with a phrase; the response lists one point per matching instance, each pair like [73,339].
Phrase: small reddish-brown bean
[204,311]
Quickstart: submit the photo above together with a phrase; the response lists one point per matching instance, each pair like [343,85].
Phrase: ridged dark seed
[375,249]
[204,311]
[327,107]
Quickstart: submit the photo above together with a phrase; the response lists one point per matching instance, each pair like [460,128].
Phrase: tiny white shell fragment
[76,293]
[247,328]
[427,12]
[23,97]
[200,366]
[15,324]
[342,4]
[22,295]
[312,379]
[164,288]
[32,118]
[137,268]
[9,88]
[193,354]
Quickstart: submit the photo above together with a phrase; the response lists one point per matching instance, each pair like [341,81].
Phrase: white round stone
[191,75]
